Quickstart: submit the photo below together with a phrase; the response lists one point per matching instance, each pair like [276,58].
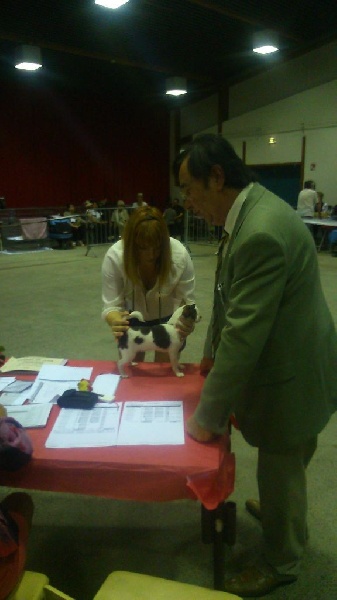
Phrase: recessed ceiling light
[28,58]
[111,3]
[176,86]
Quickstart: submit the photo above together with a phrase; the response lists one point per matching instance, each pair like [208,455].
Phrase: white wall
[311,112]
[285,79]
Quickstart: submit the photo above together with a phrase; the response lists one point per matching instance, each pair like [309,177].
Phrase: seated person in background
[319,204]
[77,225]
[307,200]
[119,218]
[97,225]
[180,218]
[334,212]
[170,219]
[92,213]
[139,202]
[16,513]
[149,272]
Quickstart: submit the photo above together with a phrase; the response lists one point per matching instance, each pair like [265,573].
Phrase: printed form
[93,428]
[152,423]
[142,423]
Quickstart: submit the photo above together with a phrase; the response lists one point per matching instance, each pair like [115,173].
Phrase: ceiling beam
[237,17]
[118,60]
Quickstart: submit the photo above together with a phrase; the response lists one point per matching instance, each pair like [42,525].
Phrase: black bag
[76,399]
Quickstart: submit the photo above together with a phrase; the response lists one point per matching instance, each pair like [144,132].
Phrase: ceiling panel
[131,51]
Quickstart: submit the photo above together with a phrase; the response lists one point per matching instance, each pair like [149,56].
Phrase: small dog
[163,338]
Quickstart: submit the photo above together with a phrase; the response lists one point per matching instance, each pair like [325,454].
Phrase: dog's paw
[134,364]
[179,374]
[124,376]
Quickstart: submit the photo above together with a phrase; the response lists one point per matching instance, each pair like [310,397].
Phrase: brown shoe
[255,582]
[254,508]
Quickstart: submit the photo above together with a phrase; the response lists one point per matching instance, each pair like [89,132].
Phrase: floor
[50,306]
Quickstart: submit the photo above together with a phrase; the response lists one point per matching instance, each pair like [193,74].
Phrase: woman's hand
[118,321]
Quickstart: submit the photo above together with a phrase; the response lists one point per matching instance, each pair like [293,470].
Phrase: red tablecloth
[143,473]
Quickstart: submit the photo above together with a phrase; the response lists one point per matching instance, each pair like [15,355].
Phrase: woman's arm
[113,282]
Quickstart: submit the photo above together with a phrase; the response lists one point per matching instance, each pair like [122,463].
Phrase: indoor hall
[50,306]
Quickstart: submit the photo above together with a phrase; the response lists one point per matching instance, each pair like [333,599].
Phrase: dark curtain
[58,147]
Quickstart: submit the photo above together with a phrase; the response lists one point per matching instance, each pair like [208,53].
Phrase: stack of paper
[53,380]
[30,416]
[30,363]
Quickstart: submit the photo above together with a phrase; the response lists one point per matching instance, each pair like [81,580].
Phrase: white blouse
[119,294]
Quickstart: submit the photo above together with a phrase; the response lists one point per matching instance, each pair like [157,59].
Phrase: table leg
[322,241]
[218,527]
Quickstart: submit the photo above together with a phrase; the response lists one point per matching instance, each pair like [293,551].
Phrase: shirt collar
[235,209]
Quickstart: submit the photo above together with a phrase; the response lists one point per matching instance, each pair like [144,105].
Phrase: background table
[203,472]
[325,224]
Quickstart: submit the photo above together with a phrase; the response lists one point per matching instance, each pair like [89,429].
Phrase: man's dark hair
[207,150]
[309,184]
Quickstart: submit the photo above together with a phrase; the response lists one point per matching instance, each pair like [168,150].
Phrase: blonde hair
[146,227]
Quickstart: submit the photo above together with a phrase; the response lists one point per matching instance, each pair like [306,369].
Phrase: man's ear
[218,177]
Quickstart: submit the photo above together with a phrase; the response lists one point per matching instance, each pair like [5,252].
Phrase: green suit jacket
[276,363]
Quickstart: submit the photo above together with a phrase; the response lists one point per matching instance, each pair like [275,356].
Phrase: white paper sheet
[151,423]
[5,381]
[30,415]
[53,380]
[11,399]
[60,373]
[105,385]
[75,428]
[30,363]
[45,392]
[17,386]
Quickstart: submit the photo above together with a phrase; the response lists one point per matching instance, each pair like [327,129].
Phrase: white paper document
[76,428]
[30,416]
[5,381]
[17,386]
[45,392]
[151,423]
[53,380]
[30,363]
[105,386]
[12,399]
[60,373]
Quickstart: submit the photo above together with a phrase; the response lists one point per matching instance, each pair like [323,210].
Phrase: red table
[202,472]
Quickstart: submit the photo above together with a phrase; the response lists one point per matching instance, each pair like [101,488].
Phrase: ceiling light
[176,86]
[28,58]
[111,3]
[265,42]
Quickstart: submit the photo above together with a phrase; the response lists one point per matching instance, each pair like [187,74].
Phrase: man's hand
[118,321]
[198,433]
[206,365]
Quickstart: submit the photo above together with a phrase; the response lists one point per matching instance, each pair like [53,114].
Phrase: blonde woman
[146,271]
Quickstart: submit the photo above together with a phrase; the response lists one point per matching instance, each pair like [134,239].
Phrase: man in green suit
[271,348]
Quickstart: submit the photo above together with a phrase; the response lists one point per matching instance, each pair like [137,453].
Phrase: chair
[124,585]
[60,230]
[119,585]
[333,242]
[35,586]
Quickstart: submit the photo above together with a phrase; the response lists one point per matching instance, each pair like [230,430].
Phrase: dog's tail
[135,314]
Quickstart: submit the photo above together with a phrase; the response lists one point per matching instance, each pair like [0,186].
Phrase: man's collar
[235,209]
